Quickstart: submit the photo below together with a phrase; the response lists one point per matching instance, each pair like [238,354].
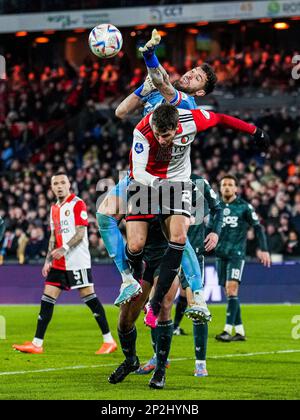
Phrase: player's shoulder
[77,200]
[186,100]
[242,202]
[144,125]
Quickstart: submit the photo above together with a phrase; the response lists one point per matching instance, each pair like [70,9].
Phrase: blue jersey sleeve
[155,98]
[183,101]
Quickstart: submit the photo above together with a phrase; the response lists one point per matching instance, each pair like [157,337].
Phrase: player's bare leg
[89,297]
[136,232]
[109,214]
[49,298]
[129,313]
[233,318]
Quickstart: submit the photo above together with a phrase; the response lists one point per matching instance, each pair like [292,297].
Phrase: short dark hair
[230,176]
[211,78]
[61,173]
[165,117]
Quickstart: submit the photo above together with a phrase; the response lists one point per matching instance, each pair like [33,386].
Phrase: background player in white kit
[68,265]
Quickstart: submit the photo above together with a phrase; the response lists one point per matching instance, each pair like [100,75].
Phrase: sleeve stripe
[177,99]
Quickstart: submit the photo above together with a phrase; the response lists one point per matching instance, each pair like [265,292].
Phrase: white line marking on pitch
[221,356]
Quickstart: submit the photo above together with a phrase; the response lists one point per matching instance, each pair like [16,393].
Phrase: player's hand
[148,86]
[46,269]
[264,258]
[262,139]
[211,241]
[58,253]
[150,45]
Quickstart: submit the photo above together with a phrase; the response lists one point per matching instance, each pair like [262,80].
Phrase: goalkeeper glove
[149,47]
[146,88]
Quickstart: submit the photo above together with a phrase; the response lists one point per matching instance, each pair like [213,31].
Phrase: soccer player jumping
[68,265]
[161,150]
[201,81]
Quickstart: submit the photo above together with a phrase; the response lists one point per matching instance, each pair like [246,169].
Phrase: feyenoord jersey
[149,160]
[64,219]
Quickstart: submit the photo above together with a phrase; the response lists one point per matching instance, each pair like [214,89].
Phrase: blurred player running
[201,81]
[68,265]
[230,253]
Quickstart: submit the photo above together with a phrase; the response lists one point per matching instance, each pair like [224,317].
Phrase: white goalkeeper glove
[152,43]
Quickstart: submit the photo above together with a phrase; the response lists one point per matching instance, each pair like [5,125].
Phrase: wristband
[66,247]
[151,60]
[138,91]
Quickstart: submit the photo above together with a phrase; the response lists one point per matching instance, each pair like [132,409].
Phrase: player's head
[199,81]
[228,187]
[60,185]
[165,123]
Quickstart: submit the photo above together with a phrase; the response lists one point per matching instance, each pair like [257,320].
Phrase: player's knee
[232,289]
[125,324]
[179,238]
[165,310]
[136,246]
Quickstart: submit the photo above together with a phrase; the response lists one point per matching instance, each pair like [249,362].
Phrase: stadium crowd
[49,121]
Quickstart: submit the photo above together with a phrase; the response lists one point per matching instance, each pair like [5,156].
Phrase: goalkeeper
[197,82]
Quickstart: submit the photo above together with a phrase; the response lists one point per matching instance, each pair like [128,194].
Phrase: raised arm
[158,74]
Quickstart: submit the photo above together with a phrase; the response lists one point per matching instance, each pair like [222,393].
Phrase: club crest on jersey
[184,140]
[139,148]
[67,213]
[226,212]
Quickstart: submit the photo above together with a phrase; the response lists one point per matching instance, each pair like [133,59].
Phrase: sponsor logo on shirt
[139,148]
[231,221]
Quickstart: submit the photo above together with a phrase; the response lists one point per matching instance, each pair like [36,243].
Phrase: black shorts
[170,198]
[67,280]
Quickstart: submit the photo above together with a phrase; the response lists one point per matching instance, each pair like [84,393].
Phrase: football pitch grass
[267,366]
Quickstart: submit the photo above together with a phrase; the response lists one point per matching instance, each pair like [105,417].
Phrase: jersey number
[235,273]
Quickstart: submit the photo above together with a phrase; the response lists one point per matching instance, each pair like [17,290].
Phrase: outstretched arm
[158,74]
[204,120]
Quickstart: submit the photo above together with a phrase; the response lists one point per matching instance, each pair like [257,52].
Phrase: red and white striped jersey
[149,161]
[63,220]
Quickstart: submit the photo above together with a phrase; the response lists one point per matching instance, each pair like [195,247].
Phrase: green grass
[73,338]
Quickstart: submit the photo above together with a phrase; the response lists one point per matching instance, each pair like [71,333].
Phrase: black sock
[179,311]
[168,270]
[128,343]
[164,336]
[136,262]
[98,311]
[153,338]
[46,312]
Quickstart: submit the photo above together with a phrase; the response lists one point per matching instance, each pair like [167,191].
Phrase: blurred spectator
[274,239]
[292,246]
[37,246]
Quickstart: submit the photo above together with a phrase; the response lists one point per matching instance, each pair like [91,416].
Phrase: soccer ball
[105,40]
